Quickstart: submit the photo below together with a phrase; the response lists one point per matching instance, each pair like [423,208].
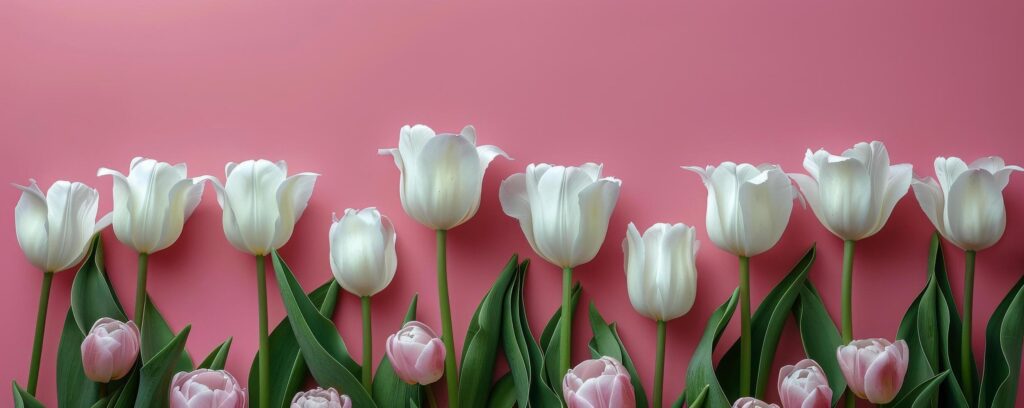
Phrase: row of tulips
[563,212]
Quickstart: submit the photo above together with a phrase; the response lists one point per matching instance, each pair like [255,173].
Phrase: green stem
[966,368]
[847,305]
[140,289]
[37,343]
[745,326]
[565,339]
[659,364]
[431,398]
[367,346]
[264,353]
[451,372]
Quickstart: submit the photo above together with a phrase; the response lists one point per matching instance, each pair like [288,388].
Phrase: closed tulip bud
[109,350]
[748,206]
[804,385]
[748,402]
[363,256]
[321,398]
[152,203]
[207,389]
[853,194]
[261,203]
[966,204]
[54,229]
[563,211]
[441,174]
[874,368]
[416,354]
[598,383]
[661,274]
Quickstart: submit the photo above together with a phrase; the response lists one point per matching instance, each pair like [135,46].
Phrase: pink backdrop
[643,89]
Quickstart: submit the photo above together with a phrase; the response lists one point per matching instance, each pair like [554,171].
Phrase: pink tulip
[600,383]
[207,389]
[416,354]
[321,398]
[804,386]
[748,402]
[110,350]
[874,368]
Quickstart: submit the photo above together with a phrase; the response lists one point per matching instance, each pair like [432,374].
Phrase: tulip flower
[598,383]
[416,354]
[109,350]
[151,205]
[804,385]
[874,368]
[661,278]
[748,210]
[966,206]
[564,213]
[261,205]
[207,389]
[321,398]
[363,260]
[748,402]
[440,183]
[54,231]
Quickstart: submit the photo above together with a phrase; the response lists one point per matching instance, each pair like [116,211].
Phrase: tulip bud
[748,207]
[874,368]
[853,194]
[442,175]
[261,203]
[661,274]
[748,402]
[109,350]
[966,204]
[207,389]
[598,383]
[321,398]
[416,354]
[363,256]
[804,386]
[563,211]
[54,230]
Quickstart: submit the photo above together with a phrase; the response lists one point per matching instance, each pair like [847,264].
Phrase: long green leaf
[216,359]
[388,389]
[481,349]
[22,399]
[156,334]
[157,373]
[606,342]
[503,395]
[525,357]
[74,390]
[700,376]
[1003,340]
[820,337]
[922,395]
[92,296]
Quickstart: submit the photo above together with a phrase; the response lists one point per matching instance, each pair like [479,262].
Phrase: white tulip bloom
[563,211]
[661,270]
[54,230]
[748,206]
[152,203]
[853,194]
[966,204]
[363,256]
[441,174]
[261,203]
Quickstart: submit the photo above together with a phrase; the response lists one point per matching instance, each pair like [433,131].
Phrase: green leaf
[922,395]
[606,342]
[699,402]
[820,337]
[157,373]
[73,388]
[126,395]
[515,343]
[92,296]
[701,372]
[156,334]
[1003,340]
[215,360]
[388,389]
[481,344]
[322,346]
[22,399]
[503,395]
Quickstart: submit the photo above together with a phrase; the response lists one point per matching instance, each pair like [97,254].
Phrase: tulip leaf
[606,342]
[820,337]
[322,346]
[216,359]
[700,376]
[74,389]
[923,394]
[125,397]
[92,296]
[522,352]
[22,399]
[388,389]
[503,394]
[699,402]
[287,368]
[156,334]
[156,375]
[1004,336]
[482,338]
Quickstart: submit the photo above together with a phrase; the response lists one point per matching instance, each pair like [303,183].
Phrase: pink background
[643,89]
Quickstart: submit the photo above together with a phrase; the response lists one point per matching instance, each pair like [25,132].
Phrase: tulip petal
[596,202]
[30,224]
[765,204]
[443,185]
[230,223]
[929,197]
[292,197]
[845,197]
[881,380]
[976,214]
[122,203]
[636,277]
[358,248]
[900,177]
[515,203]
[252,190]
[947,170]
[71,217]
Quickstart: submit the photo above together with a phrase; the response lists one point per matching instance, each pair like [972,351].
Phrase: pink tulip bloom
[416,354]
[748,402]
[110,350]
[600,383]
[321,398]
[207,389]
[804,385]
[874,368]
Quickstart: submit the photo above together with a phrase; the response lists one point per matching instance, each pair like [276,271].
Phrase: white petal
[252,191]
[182,199]
[516,204]
[122,203]
[947,170]
[229,222]
[596,203]
[151,183]
[845,198]
[469,132]
[930,198]
[443,184]
[411,141]
[71,217]
[976,213]
[358,247]
[766,204]
[30,224]
[292,197]
[900,177]
[633,249]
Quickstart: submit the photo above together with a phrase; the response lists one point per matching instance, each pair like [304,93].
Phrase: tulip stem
[431,398]
[37,343]
[966,366]
[264,375]
[140,289]
[565,340]
[745,326]
[367,346]
[451,372]
[847,305]
[103,389]
[659,364]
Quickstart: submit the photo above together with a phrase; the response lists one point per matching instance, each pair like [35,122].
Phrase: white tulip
[261,203]
[363,256]
[661,270]
[152,203]
[441,175]
[853,194]
[54,230]
[748,206]
[563,211]
[966,204]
